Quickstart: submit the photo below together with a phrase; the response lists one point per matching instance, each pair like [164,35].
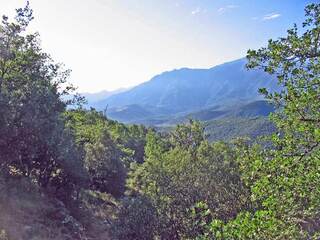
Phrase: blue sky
[111,44]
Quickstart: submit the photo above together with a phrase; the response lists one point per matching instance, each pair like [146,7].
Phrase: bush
[136,220]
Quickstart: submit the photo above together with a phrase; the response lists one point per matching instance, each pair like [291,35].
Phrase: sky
[111,44]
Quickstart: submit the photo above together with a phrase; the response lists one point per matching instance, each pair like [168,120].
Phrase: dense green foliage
[284,180]
[34,141]
[182,170]
[94,178]
[108,148]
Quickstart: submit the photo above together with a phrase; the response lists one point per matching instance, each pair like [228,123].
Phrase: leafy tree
[34,141]
[131,138]
[108,146]
[188,136]
[175,177]
[284,180]
[293,188]
[103,161]
[88,126]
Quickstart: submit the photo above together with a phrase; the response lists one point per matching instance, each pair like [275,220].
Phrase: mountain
[189,90]
[92,98]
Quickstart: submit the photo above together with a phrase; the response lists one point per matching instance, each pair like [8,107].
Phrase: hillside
[152,117]
[29,214]
[240,110]
[230,128]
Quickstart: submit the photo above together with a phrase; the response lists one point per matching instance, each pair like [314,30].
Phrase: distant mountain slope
[154,117]
[227,129]
[194,89]
[130,113]
[99,96]
[247,110]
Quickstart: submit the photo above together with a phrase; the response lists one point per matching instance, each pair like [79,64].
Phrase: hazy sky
[110,44]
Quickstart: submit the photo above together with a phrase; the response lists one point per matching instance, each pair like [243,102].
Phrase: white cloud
[196,11]
[271,16]
[222,10]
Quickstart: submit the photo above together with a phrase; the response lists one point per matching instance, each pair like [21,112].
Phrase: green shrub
[136,220]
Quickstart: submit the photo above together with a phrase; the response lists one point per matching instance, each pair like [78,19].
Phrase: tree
[176,177]
[108,148]
[293,187]
[284,180]
[103,162]
[136,220]
[34,141]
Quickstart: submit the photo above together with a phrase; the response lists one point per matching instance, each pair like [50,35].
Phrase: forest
[68,172]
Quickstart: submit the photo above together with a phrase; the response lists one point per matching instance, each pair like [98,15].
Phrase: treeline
[173,185]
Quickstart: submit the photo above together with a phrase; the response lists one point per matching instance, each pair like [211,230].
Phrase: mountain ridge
[189,89]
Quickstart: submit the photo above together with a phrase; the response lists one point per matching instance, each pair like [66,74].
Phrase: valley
[225,98]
